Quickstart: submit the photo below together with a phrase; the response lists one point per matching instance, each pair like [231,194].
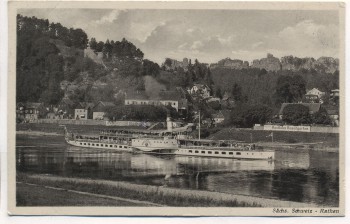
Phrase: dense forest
[272,88]
[49,53]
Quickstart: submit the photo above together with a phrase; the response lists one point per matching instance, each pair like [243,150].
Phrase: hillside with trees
[55,62]
[51,64]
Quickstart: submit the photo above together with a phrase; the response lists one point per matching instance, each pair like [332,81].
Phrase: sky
[207,35]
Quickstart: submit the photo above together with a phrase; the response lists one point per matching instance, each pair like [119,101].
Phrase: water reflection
[307,176]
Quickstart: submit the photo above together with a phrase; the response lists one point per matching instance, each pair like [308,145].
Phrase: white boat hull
[233,154]
[101,145]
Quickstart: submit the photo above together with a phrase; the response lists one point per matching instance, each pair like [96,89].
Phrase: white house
[202,90]
[218,117]
[316,92]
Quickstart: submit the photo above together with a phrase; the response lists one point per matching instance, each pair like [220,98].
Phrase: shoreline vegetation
[135,194]
[295,141]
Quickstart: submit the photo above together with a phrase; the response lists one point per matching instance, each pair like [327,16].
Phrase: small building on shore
[99,110]
[83,111]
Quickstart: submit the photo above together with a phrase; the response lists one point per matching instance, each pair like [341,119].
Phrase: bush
[296,114]
[139,112]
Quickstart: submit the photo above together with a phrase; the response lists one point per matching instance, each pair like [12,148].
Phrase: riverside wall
[94,122]
[289,128]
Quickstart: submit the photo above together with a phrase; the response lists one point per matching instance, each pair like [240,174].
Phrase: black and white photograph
[168,109]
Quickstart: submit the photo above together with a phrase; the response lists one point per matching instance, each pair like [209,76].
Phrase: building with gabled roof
[99,110]
[65,108]
[201,90]
[83,111]
[29,111]
[174,98]
[218,117]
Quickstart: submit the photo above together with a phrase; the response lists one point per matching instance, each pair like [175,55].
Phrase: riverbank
[38,195]
[146,193]
[284,139]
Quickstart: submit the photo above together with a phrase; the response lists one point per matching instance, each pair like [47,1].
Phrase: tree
[107,49]
[218,93]
[150,68]
[78,38]
[93,43]
[290,89]
[257,114]
[237,93]
[322,117]
[296,114]
[168,62]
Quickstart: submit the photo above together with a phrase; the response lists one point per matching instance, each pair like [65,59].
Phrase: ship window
[80,143]
[196,151]
[231,153]
[238,153]
[115,146]
[106,145]
[88,143]
[210,152]
[216,152]
[124,147]
[110,146]
[223,153]
[203,152]
[97,145]
[120,146]
[93,144]
[190,151]
[84,143]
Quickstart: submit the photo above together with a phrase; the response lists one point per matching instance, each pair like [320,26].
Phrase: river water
[303,176]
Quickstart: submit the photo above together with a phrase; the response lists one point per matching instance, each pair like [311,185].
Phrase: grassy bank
[31,195]
[326,139]
[159,195]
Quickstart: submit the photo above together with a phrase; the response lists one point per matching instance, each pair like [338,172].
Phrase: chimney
[169,124]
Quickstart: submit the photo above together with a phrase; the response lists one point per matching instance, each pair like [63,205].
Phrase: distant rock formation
[172,64]
[270,63]
[233,64]
[327,64]
[89,53]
